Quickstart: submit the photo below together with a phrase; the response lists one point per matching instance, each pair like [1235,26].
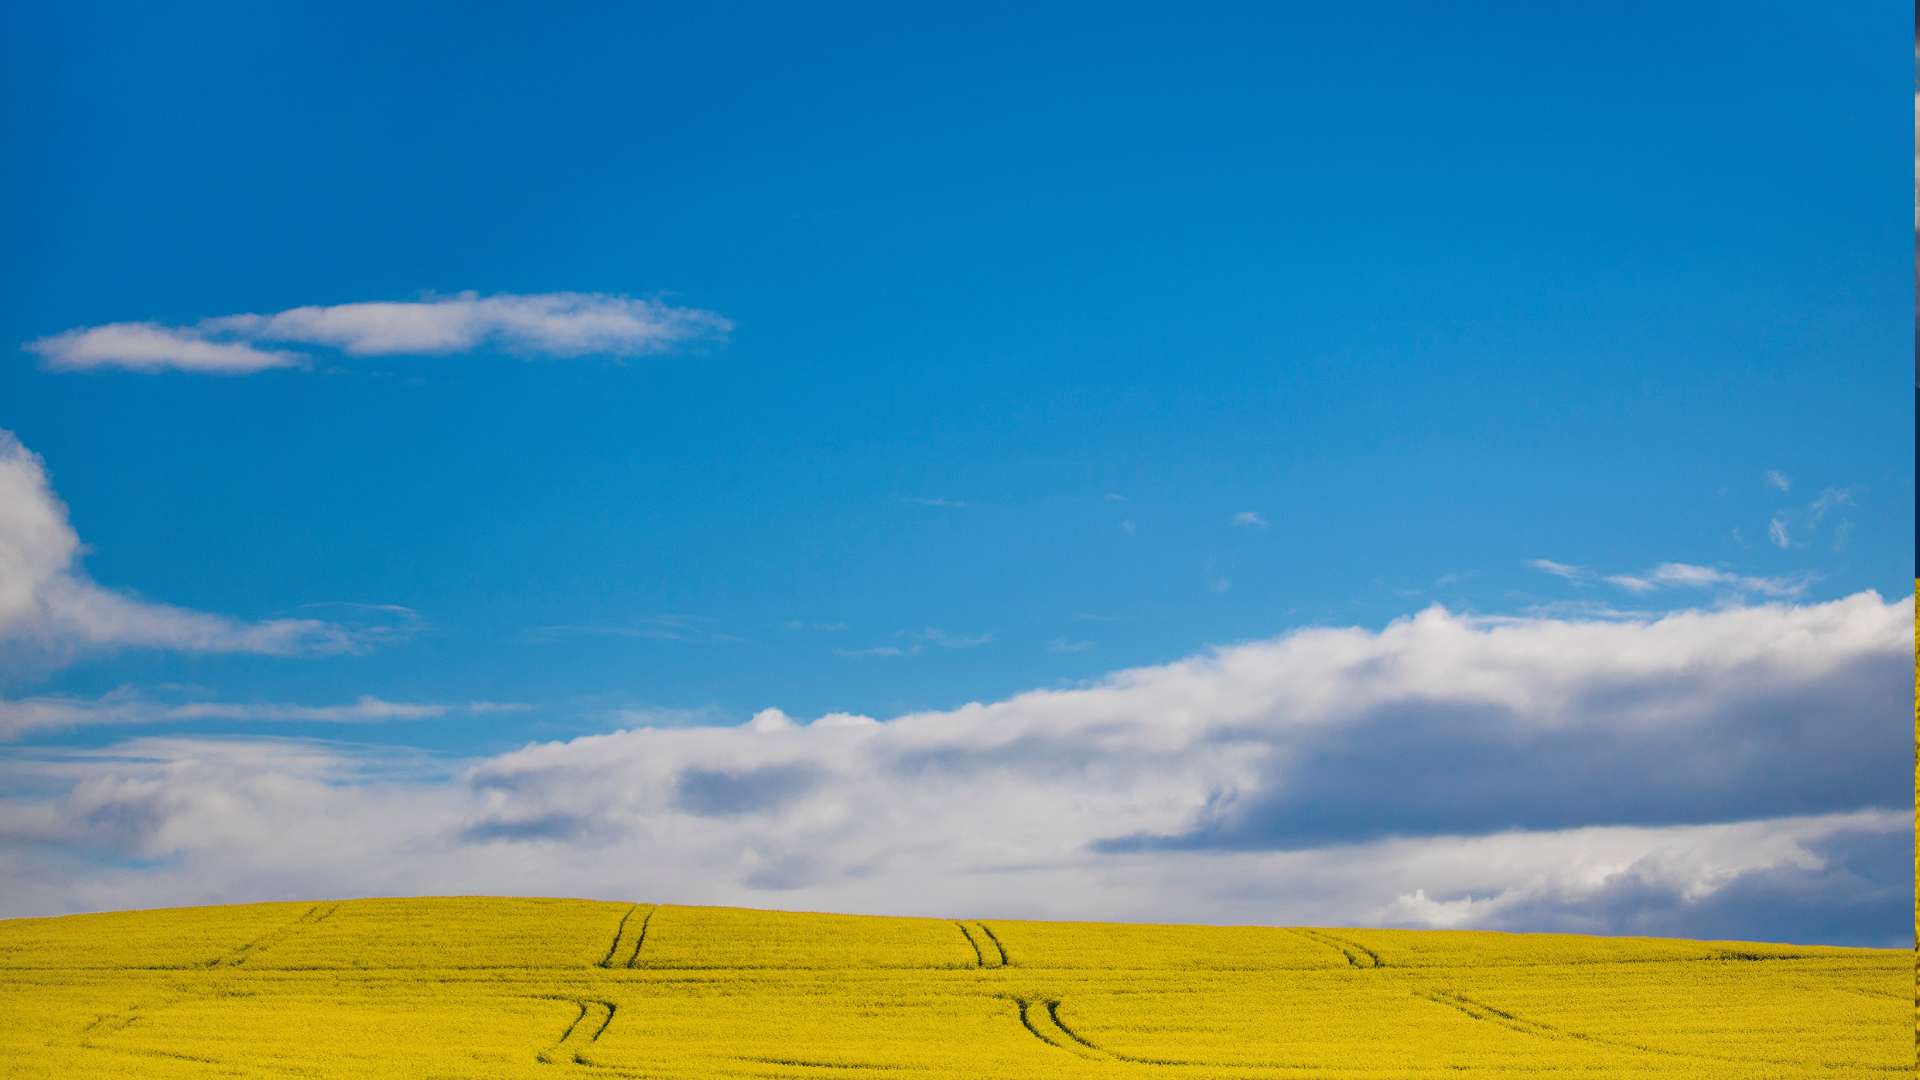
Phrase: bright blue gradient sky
[1029,308]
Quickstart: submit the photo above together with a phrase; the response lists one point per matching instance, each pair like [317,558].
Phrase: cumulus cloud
[1634,775]
[49,605]
[542,324]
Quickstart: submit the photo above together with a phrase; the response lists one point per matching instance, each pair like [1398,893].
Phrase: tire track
[997,947]
[1358,956]
[588,1024]
[314,915]
[979,958]
[640,939]
[1040,1024]
[1482,1011]
[1042,1020]
[619,932]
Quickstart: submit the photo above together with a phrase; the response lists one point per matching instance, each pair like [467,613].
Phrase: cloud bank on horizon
[564,324]
[1722,773]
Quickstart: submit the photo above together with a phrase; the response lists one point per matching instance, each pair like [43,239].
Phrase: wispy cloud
[1560,569]
[543,324]
[1829,500]
[815,627]
[1248,519]
[687,629]
[917,642]
[52,713]
[1068,645]
[1678,575]
[933,635]
[881,650]
[1777,480]
[944,504]
[1798,525]
[50,607]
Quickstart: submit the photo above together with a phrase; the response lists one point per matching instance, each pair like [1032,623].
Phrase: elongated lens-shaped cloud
[540,324]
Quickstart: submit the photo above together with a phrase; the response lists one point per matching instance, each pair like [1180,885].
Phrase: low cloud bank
[1733,773]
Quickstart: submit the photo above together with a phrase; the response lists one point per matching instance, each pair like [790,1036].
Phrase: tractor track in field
[979,958]
[316,914]
[1482,1011]
[595,1015]
[614,947]
[994,955]
[1358,956]
[640,939]
[1038,1023]
[997,947]
[1042,1020]
[618,932]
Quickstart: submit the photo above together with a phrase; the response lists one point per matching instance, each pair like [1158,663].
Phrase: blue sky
[1020,348]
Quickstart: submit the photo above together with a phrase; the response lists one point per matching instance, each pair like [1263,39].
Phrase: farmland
[551,988]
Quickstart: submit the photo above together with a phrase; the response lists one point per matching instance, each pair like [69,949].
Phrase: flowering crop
[487,988]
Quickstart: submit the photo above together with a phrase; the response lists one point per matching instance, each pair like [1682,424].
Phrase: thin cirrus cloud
[686,629]
[48,714]
[539,324]
[1677,575]
[1444,770]
[49,605]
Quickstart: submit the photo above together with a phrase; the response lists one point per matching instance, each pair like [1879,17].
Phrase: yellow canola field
[550,989]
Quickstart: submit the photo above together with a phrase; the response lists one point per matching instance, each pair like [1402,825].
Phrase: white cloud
[1287,780]
[1805,521]
[152,347]
[687,629]
[1777,532]
[942,504]
[1678,575]
[1778,480]
[51,713]
[816,627]
[545,324]
[880,650]
[1689,576]
[1249,519]
[1560,569]
[1068,645]
[48,604]
[1826,503]
[933,635]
